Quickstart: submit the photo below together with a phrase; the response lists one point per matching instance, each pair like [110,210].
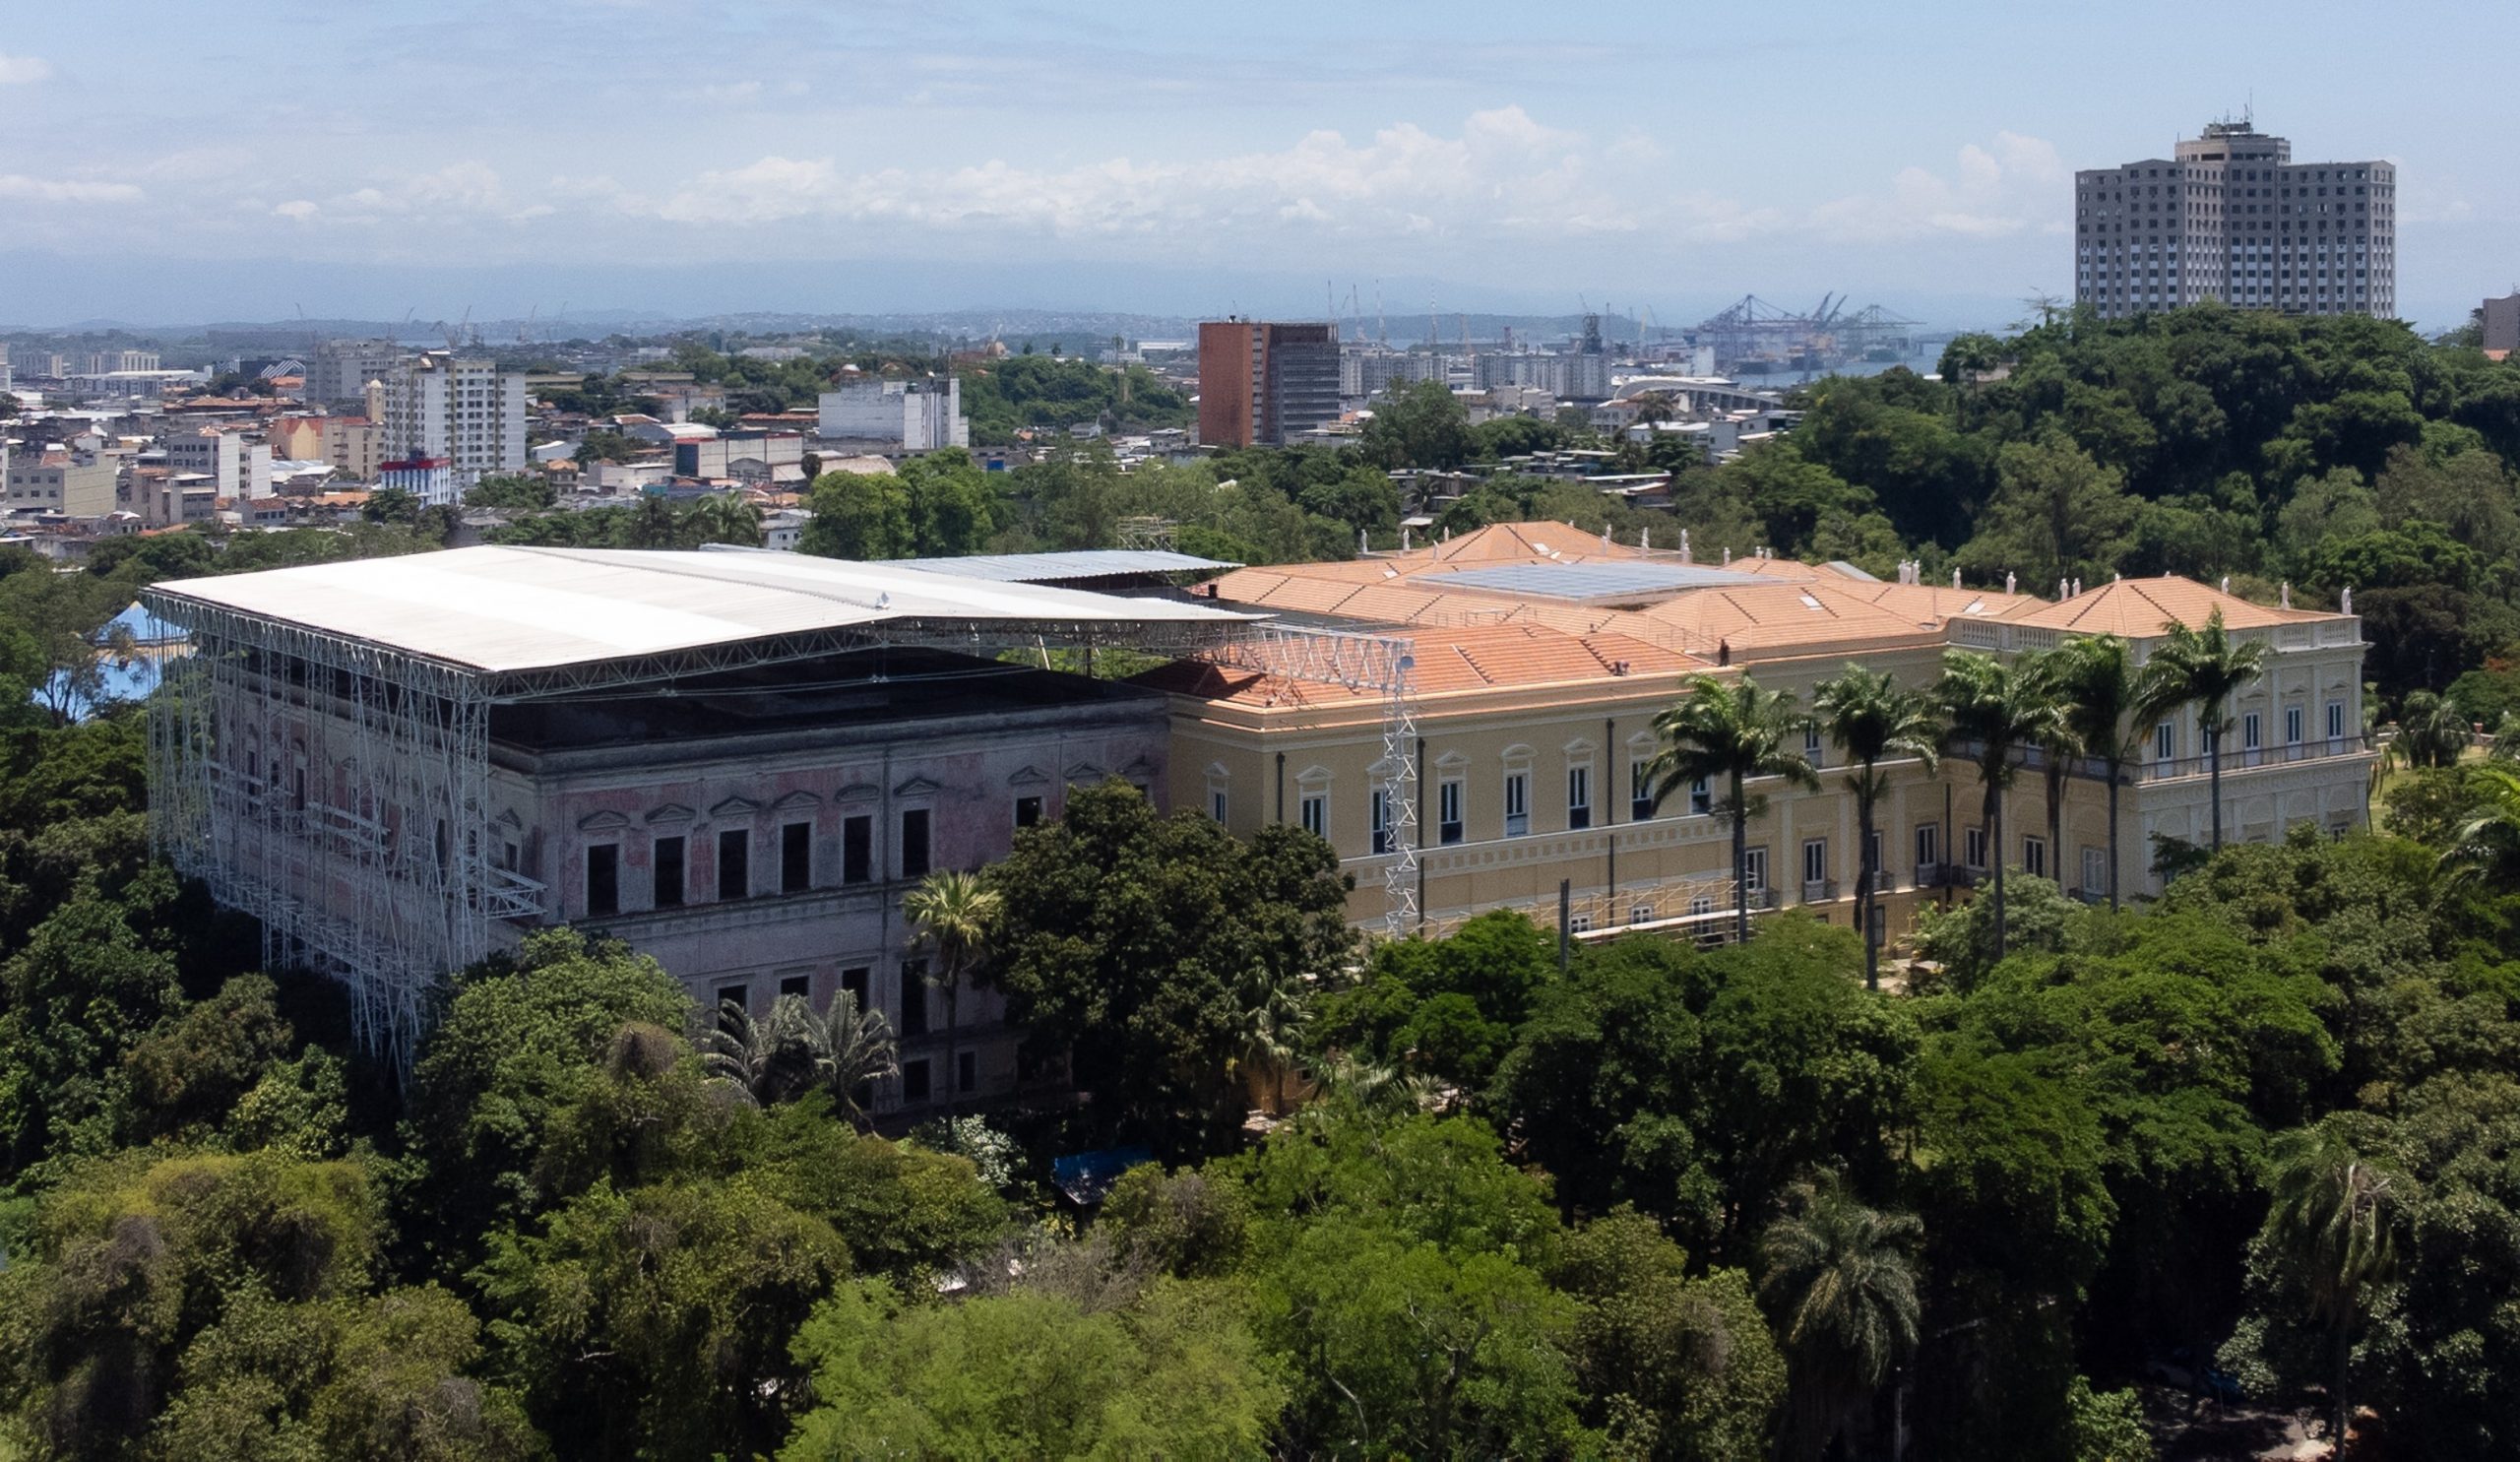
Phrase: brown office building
[1263,384]
[2232,216]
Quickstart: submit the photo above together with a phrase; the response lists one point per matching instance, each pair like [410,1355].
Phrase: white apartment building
[467,413]
[2232,216]
[920,415]
[236,467]
[109,363]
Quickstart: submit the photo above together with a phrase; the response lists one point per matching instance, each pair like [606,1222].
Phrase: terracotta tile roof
[1449,661]
[2139,608]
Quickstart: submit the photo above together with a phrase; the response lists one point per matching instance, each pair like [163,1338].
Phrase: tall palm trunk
[2115,772]
[2056,818]
[1741,867]
[1865,896]
[2214,779]
[953,1009]
[2343,1359]
[1995,855]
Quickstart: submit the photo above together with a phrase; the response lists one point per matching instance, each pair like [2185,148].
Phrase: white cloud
[1503,172]
[23,70]
[64,190]
[300,209]
[2015,185]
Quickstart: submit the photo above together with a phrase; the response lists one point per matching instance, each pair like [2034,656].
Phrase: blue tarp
[1086,1176]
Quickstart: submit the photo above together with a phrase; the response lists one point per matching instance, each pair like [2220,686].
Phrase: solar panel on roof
[1593,581]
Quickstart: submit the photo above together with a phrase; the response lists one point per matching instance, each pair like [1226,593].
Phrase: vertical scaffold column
[1400,796]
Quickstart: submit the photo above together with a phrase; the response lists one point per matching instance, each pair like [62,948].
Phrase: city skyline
[610,153]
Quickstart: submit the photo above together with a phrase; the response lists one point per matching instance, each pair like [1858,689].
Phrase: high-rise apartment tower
[467,413]
[2232,216]
[1264,384]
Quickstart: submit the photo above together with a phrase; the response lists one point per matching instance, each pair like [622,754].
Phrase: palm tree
[1269,1015]
[2101,688]
[2333,1216]
[2486,849]
[953,910]
[1875,720]
[727,518]
[2058,743]
[654,524]
[857,1051]
[1841,1277]
[2203,668]
[1733,730]
[767,1061]
[2432,731]
[1990,710]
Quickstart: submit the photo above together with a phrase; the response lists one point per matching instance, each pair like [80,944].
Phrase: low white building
[921,415]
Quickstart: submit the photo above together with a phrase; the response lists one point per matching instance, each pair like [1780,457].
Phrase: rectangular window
[1579,797]
[2251,732]
[967,1071]
[1812,743]
[1314,809]
[2291,725]
[2095,870]
[1216,803]
[734,864]
[1755,869]
[1815,860]
[914,862]
[1872,849]
[1028,810]
[1640,913]
[2034,856]
[1448,796]
[1517,803]
[1379,812]
[737,991]
[854,983]
[1973,851]
[795,858]
[2336,721]
[668,872]
[913,998]
[1701,798]
[2164,741]
[801,986]
[1640,792]
[858,850]
[604,878]
[914,1085]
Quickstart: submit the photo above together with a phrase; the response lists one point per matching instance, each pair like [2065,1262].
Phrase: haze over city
[620,155]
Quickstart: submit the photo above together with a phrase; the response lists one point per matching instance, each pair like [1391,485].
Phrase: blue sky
[181,161]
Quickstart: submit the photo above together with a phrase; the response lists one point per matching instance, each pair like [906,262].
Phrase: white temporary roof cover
[501,609]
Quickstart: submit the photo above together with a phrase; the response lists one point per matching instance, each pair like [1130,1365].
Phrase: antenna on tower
[1382,326]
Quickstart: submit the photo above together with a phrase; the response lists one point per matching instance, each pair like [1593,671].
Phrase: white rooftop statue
[2012,584]
[2345,600]
[1955,578]
[2286,594]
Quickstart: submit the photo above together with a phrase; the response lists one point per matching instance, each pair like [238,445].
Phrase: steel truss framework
[338,789]
[1360,661]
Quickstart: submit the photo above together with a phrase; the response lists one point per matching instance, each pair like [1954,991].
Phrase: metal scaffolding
[338,789]
[1358,662]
